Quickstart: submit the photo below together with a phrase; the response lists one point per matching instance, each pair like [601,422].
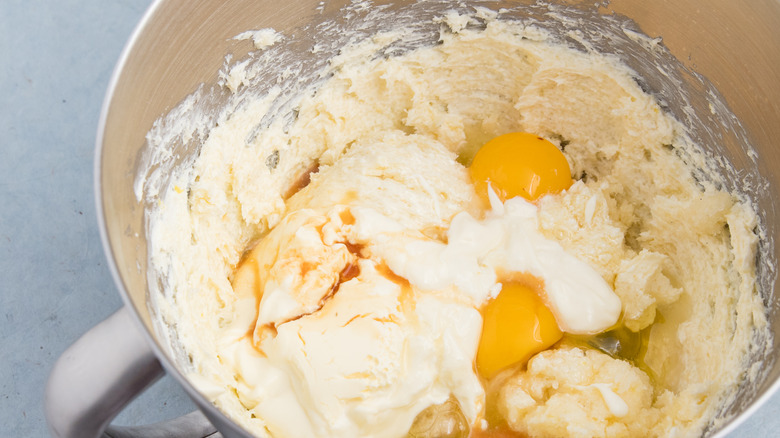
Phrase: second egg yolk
[520,164]
[516,326]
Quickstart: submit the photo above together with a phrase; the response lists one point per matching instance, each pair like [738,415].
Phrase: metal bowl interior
[725,56]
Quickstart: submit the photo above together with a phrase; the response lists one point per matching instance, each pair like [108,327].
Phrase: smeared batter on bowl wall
[329,277]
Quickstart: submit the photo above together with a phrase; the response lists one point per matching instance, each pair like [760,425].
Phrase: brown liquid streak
[349,272]
[303,180]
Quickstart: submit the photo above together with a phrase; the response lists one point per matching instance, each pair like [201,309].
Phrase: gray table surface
[56,58]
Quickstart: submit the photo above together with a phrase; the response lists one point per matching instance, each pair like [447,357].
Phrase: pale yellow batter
[387,140]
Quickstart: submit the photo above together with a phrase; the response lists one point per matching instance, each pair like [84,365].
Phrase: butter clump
[580,394]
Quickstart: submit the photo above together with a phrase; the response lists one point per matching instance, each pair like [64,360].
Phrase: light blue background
[56,58]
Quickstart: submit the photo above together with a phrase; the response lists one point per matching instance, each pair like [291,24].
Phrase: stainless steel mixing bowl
[726,71]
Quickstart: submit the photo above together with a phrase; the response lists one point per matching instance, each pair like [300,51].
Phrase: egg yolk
[516,326]
[520,164]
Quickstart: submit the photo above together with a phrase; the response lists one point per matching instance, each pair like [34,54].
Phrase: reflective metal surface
[100,374]
[182,44]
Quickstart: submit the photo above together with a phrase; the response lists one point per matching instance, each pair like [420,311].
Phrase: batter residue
[338,276]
